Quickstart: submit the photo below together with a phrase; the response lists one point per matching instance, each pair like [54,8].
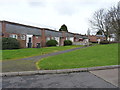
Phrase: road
[71,80]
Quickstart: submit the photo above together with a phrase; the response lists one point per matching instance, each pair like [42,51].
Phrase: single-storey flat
[31,36]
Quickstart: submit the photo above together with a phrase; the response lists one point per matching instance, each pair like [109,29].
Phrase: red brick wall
[62,39]
[5,34]
[36,39]
[22,43]
[43,38]
[94,38]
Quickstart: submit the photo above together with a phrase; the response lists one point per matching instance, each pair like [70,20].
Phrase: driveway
[71,80]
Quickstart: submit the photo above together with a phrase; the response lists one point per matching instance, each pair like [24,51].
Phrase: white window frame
[37,37]
[13,36]
[48,38]
[23,37]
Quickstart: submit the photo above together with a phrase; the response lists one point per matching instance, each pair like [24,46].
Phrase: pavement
[110,75]
[28,64]
[94,79]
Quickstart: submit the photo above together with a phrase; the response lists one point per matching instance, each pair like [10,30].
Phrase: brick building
[94,38]
[31,36]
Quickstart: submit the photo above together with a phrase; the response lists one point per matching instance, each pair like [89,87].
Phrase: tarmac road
[71,80]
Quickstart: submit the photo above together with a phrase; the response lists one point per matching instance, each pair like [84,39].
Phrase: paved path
[110,75]
[72,80]
[28,64]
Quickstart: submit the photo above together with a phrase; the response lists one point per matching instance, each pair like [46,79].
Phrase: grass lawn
[28,52]
[99,55]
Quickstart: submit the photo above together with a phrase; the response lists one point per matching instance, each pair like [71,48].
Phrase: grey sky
[53,13]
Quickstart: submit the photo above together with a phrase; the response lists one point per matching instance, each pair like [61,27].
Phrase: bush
[51,43]
[67,42]
[104,42]
[10,43]
[90,44]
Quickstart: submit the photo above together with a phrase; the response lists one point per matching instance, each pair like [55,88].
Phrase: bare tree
[98,22]
[107,22]
[114,21]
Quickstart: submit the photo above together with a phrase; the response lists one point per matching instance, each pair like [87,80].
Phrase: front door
[29,41]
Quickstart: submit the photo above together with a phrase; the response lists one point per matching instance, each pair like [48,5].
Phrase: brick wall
[36,39]
[93,38]
[43,38]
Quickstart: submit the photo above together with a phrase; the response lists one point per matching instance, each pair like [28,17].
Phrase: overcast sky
[53,13]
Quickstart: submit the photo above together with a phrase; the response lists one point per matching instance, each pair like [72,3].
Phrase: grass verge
[100,55]
[29,52]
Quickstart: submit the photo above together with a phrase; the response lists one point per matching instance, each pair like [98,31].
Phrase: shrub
[51,43]
[90,44]
[10,43]
[67,42]
[104,42]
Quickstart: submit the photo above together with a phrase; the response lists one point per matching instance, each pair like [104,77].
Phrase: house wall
[53,35]
[94,38]
[38,35]
[36,39]
[20,30]
[5,34]
[22,43]
[69,36]
[43,38]
[76,38]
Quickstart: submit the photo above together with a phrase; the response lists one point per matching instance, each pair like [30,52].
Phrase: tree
[114,21]
[63,28]
[107,22]
[99,24]
[99,32]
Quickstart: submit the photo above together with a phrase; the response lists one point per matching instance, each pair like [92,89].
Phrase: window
[53,38]
[37,37]
[68,38]
[48,38]
[14,36]
[23,37]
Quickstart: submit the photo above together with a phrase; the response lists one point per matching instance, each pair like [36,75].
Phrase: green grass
[28,52]
[99,55]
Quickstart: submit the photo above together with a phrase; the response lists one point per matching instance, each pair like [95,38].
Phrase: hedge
[10,43]
[67,42]
[104,42]
[51,43]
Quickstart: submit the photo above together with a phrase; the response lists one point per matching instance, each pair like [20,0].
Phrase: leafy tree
[63,28]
